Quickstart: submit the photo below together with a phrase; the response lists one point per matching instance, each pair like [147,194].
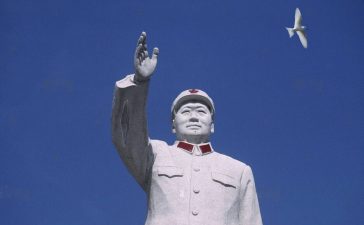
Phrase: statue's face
[193,123]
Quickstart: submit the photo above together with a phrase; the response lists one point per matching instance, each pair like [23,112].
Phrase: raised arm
[129,123]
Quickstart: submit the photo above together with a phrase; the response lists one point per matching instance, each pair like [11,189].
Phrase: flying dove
[298,28]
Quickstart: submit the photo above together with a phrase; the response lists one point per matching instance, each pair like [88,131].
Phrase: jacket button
[195,212]
[196,190]
[196,169]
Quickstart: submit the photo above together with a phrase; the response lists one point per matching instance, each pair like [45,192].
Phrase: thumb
[155,53]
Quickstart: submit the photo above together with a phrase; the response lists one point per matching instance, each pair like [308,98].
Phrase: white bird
[298,28]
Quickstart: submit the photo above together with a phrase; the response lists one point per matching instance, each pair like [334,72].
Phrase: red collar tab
[193,91]
[204,148]
[185,146]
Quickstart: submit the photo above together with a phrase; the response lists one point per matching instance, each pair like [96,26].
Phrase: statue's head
[193,116]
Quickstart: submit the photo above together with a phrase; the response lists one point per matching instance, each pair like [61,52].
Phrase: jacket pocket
[170,171]
[224,179]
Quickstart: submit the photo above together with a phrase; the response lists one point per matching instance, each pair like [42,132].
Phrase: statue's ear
[212,128]
[173,127]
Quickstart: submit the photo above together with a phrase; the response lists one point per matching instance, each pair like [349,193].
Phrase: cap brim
[194,98]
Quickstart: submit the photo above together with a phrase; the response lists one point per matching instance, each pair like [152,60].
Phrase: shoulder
[158,145]
[235,168]
[231,165]
[230,162]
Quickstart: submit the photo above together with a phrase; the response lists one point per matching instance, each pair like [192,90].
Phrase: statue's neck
[194,139]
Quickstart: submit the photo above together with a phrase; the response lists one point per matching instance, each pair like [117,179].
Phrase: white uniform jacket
[186,184]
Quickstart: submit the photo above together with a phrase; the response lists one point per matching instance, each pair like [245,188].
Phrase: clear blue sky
[295,115]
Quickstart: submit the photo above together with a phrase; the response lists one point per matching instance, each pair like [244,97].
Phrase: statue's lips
[194,126]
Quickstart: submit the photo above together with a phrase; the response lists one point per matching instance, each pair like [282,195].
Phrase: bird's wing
[303,38]
[297,18]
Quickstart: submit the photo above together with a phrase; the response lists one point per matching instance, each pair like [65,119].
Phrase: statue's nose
[193,118]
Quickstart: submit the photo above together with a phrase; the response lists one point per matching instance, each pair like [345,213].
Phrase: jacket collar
[205,148]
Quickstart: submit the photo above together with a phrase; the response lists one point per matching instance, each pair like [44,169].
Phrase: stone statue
[187,182]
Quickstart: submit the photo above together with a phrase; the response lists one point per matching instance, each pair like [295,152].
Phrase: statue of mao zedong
[189,182]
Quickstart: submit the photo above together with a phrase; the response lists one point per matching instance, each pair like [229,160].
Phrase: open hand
[144,65]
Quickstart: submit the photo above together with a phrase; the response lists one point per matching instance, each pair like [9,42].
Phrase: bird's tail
[290,31]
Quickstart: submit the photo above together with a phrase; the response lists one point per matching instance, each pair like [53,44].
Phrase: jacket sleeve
[129,128]
[249,213]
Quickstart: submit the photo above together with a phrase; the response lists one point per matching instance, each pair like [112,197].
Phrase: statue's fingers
[145,51]
[144,38]
[140,40]
[137,60]
[146,54]
[138,50]
[141,59]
